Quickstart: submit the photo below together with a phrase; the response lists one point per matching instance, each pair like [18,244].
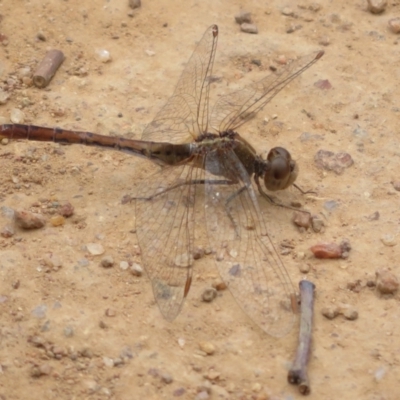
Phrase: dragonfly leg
[273,201]
[228,200]
[192,182]
[304,191]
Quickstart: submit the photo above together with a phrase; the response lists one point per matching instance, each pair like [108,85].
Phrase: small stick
[47,68]
[298,373]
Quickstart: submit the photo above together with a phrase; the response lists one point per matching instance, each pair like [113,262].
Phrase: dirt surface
[72,329]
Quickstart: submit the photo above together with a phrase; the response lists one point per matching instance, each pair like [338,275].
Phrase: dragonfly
[206,178]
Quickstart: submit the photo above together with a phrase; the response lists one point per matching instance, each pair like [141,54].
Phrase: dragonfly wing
[234,109]
[246,258]
[164,226]
[185,115]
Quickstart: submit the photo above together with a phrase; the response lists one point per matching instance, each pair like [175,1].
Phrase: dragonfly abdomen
[162,153]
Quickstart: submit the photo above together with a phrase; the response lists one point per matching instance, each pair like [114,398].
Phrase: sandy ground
[71,329]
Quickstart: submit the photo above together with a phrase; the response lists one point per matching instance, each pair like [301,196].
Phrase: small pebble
[323,84]
[376,6]
[203,395]
[379,373]
[219,286]
[91,386]
[330,312]
[57,220]
[118,361]
[205,386]
[166,378]
[324,41]
[107,261]
[330,161]
[386,281]
[346,247]
[29,220]
[282,60]
[396,185]
[41,36]
[110,312]
[350,313]
[86,352]
[39,311]
[179,392]
[68,331]
[37,341]
[66,209]
[256,387]
[17,116]
[293,28]
[40,370]
[374,216]
[135,3]
[209,295]
[394,26]
[136,270]
[301,219]
[355,286]
[95,249]
[248,28]
[4,96]
[198,253]
[317,223]
[103,325]
[288,12]
[23,72]
[388,240]
[108,362]
[53,262]
[124,265]
[243,17]
[304,268]
[207,347]
[327,250]
[103,55]
[7,231]
[213,375]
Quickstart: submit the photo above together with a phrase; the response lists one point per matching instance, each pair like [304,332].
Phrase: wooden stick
[47,68]
[298,374]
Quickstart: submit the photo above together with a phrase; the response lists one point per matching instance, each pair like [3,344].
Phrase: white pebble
[249,28]
[136,270]
[17,116]
[103,55]
[150,53]
[124,265]
[95,249]
[376,6]
[108,362]
[4,96]
[394,25]
[380,373]
[388,240]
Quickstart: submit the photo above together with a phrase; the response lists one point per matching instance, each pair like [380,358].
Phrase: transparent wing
[185,115]
[164,226]
[247,260]
[234,109]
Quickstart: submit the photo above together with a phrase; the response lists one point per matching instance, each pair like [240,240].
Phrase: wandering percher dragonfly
[206,176]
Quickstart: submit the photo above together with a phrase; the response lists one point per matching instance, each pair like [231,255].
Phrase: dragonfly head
[281,170]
